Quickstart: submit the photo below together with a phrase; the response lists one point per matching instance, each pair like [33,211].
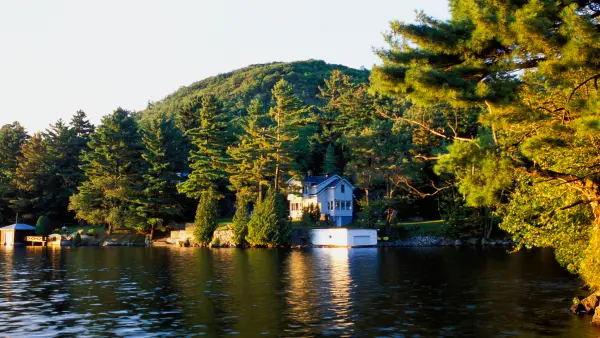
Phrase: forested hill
[235,89]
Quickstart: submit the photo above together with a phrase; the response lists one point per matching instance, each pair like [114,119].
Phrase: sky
[57,57]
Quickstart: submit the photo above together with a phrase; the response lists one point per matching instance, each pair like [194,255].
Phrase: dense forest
[489,119]
[225,146]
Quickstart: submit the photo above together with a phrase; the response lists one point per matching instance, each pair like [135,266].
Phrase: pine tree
[288,115]
[532,67]
[113,168]
[82,129]
[64,146]
[329,164]
[240,220]
[252,164]
[163,155]
[12,137]
[36,180]
[208,160]
[205,222]
[269,224]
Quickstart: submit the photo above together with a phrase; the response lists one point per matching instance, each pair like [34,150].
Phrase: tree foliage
[531,67]
[269,224]
[205,222]
[240,220]
[164,157]
[113,168]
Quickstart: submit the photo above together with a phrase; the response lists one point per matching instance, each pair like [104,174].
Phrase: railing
[35,238]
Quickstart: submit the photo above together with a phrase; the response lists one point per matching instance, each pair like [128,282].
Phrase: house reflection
[320,290]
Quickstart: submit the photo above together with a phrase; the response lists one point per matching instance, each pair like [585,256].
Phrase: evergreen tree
[205,222]
[36,180]
[269,224]
[12,137]
[82,129]
[329,164]
[252,163]
[163,155]
[208,160]
[64,146]
[532,67]
[288,115]
[113,168]
[240,220]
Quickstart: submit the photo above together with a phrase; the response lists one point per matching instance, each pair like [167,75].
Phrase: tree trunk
[277,175]
[110,229]
[590,265]
[388,220]
[151,232]
[260,192]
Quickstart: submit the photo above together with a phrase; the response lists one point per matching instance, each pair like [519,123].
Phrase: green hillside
[235,89]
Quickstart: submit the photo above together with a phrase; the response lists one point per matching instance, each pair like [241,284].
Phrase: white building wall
[338,195]
[295,214]
[362,237]
[333,237]
[343,237]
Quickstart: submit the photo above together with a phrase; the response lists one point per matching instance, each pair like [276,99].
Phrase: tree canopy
[531,68]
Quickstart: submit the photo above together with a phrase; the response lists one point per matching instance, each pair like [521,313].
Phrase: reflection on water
[338,292]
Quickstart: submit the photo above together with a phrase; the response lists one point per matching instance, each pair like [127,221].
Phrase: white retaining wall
[343,237]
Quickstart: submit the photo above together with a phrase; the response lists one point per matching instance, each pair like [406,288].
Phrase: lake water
[395,292]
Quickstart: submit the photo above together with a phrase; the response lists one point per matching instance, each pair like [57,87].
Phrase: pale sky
[59,56]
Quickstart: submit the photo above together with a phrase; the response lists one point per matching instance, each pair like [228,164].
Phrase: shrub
[77,239]
[56,231]
[42,227]
[80,231]
[240,221]
[310,216]
[269,224]
[91,232]
[205,222]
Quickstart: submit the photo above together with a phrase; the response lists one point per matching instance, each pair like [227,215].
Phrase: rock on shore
[435,241]
[589,305]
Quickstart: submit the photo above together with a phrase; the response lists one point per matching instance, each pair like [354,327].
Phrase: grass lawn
[422,228]
[224,223]
[98,228]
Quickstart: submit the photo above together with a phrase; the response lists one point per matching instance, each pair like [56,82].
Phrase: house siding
[331,201]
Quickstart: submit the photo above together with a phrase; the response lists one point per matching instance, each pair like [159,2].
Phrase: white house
[332,195]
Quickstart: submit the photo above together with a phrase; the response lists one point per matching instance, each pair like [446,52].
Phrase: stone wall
[223,238]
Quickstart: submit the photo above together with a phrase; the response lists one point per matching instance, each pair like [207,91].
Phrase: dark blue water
[391,292]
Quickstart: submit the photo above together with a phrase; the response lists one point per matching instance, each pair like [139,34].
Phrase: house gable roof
[18,226]
[314,180]
[325,182]
[333,184]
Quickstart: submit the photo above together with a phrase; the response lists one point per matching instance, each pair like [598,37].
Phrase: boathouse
[14,234]
[342,237]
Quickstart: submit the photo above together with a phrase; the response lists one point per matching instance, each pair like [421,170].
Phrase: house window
[343,205]
[343,188]
[337,205]
[349,205]
[306,189]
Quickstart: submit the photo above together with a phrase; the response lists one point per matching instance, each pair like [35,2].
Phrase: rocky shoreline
[588,306]
[435,241]
[416,241]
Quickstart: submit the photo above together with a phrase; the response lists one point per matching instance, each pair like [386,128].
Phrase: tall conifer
[113,168]
[208,160]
